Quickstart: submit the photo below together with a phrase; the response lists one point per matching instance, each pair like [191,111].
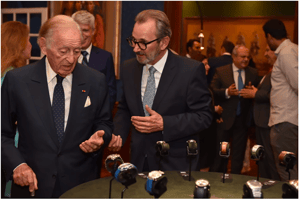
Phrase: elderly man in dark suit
[224,59]
[95,57]
[165,98]
[62,112]
[261,115]
[226,85]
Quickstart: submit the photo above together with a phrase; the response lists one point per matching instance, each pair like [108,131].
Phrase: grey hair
[84,17]
[234,51]
[163,27]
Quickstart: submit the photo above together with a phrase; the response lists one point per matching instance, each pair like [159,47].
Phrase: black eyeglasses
[142,45]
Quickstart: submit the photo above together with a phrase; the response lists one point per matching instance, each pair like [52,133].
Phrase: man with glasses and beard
[165,98]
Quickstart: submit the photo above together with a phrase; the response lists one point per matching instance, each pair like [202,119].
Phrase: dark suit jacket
[25,99]
[223,78]
[214,63]
[183,100]
[261,108]
[102,61]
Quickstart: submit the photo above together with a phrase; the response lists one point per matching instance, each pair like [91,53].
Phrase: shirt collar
[51,74]
[235,68]
[159,66]
[281,46]
[226,53]
[188,55]
[89,49]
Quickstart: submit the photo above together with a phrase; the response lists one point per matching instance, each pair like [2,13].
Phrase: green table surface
[177,187]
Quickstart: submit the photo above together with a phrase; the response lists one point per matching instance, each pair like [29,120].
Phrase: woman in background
[15,50]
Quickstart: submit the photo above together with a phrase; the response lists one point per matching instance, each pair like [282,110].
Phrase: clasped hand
[248,92]
[148,124]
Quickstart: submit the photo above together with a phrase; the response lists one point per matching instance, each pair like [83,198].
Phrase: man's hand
[232,91]
[218,109]
[23,175]
[219,121]
[94,143]
[148,124]
[115,143]
[248,93]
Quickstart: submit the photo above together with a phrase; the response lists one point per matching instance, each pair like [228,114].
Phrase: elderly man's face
[241,60]
[64,50]
[87,34]
[145,32]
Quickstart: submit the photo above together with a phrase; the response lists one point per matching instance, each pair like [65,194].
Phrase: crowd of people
[61,106]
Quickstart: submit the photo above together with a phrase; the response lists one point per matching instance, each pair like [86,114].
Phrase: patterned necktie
[58,108]
[240,86]
[150,90]
[84,60]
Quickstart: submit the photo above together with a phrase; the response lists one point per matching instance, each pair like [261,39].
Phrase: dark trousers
[284,137]
[238,136]
[267,168]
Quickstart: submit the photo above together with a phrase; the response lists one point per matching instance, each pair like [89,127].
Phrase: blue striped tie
[240,86]
[84,60]
[150,90]
[58,108]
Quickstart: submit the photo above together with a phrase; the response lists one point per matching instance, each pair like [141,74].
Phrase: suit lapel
[137,81]
[79,94]
[166,79]
[38,88]
[229,75]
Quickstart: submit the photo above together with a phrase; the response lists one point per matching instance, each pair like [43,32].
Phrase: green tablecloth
[177,187]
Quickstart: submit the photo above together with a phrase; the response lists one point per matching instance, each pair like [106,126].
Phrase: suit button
[53,176]
[59,155]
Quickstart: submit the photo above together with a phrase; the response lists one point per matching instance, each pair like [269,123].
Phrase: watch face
[294,183]
[224,148]
[126,166]
[112,162]
[257,151]
[154,175]
[202,183]
[255,188]
[254,183]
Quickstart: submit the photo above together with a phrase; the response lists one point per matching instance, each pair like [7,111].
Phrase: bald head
[55,24]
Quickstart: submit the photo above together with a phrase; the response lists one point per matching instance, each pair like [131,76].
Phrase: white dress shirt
[235,78]
[159,66]
[284,81]
[67,84]
[89,49]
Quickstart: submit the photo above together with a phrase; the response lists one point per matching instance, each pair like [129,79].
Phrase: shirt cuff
[226,94]
[18,166]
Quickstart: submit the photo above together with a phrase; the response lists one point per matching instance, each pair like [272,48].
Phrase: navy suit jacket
[25,100]
[182,99]
[214,63]
[223,78]
[102,61]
